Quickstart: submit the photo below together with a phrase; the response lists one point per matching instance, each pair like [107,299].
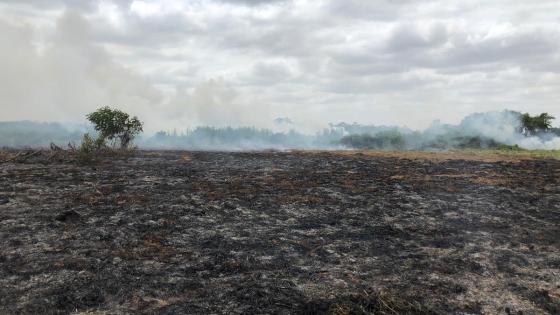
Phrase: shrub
[387,140]
[505,147]
[113,124]
[89,148]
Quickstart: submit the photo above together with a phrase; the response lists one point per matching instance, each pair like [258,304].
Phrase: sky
[181,64]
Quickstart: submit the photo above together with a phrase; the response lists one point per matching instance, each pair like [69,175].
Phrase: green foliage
[113,124]
[505,147]
[458,141]
[89,148]
[392,140]
[531,125]
[240,137]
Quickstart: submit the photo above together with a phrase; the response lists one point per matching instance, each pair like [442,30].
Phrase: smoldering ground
[312,233]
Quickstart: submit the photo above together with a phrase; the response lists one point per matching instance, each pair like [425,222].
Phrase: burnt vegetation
[174,232]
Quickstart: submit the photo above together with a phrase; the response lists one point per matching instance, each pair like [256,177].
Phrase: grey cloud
[270,73]
[253,2]
[523,48]
[152,31]
[319,54]
[407,49]
[407,37]
[50,4]
[292,38]
[378,84]
[84,6]
[368,10]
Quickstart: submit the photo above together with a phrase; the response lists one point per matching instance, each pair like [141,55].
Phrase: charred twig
[31,154]
[12,158]
[54,147]
[55,153]
[24,155]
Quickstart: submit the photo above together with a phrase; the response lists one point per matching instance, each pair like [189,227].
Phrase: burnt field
[279,232]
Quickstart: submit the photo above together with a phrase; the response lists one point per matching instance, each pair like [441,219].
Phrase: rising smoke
[65,76]
[480,130]
[504,127]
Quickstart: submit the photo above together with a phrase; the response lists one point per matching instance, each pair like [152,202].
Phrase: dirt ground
[279,233]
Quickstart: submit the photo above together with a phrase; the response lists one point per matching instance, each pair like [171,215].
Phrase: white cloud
[145,9]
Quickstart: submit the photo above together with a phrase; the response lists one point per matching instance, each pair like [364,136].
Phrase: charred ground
[279,232]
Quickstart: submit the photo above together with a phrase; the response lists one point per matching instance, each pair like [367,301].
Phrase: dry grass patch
[468,155]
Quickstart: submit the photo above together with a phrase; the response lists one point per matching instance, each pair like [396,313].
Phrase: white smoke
[68,77]
[215,103]
[504,127]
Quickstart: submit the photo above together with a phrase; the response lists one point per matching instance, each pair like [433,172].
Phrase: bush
[113,124]
[387,140]
[89,148]
[505,147]
[475,142]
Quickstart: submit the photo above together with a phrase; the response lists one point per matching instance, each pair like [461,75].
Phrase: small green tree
[113,124]
[532,125]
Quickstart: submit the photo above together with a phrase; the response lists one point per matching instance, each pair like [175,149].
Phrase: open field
[281,232]
[481,155]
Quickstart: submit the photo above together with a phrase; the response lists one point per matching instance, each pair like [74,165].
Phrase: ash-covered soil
[279,232]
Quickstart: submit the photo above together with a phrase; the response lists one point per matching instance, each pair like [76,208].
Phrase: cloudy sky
[179,64]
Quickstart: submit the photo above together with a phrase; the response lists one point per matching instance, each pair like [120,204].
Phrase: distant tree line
[114,128]
[368,137]
[228,137]
[18,134]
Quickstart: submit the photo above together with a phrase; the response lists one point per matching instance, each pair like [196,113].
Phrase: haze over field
[505,129]
[182,64]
